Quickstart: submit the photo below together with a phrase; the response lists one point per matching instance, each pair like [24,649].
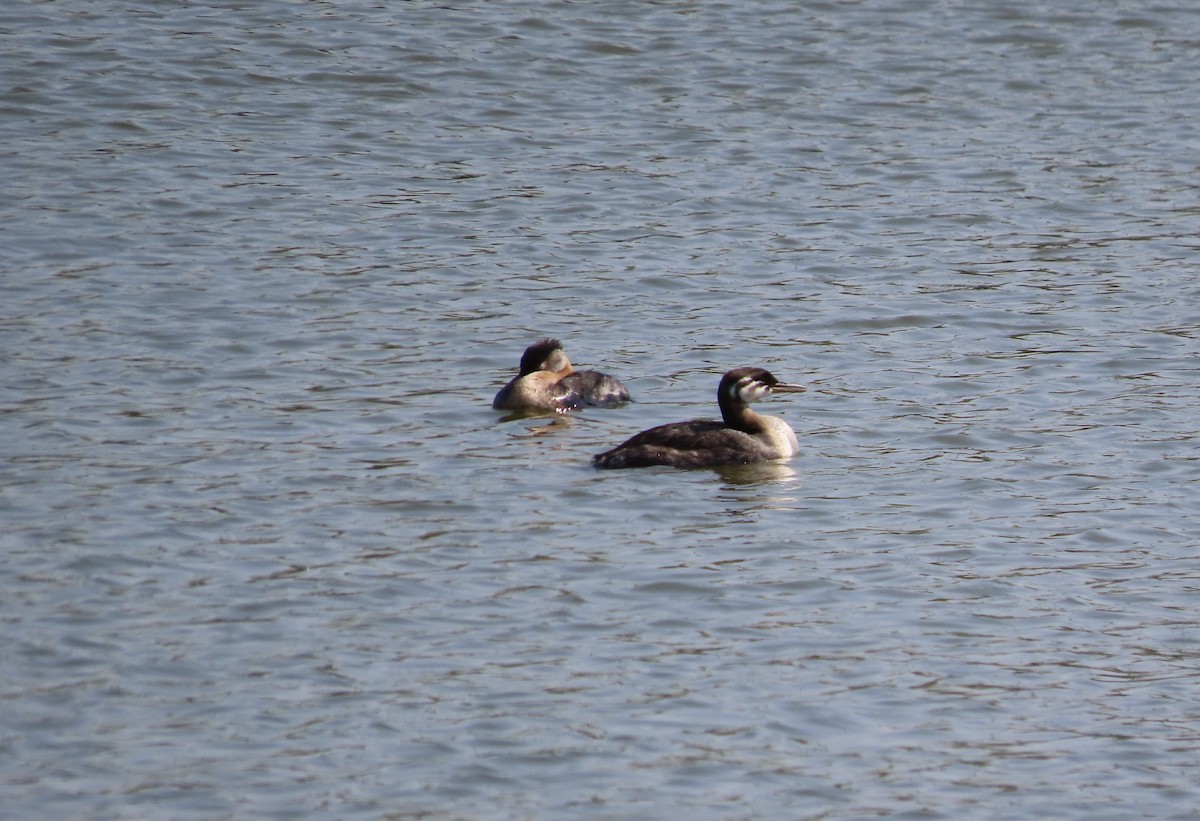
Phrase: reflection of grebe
[741,437]
[547,382]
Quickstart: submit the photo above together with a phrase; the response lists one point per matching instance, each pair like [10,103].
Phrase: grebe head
[545,355]
[746,385]
[741,386]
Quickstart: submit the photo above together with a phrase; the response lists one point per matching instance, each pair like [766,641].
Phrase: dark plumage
[742,436]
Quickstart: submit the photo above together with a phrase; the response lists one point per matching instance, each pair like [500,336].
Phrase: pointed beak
[784,387]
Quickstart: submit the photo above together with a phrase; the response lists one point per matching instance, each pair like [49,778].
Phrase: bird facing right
[741,437]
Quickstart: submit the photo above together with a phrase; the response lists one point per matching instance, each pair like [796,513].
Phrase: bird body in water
[548,382]
[741,437]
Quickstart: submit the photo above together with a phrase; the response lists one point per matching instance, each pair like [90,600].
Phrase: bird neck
[737,414]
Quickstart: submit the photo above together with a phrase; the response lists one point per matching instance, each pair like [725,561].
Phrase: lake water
[267,552]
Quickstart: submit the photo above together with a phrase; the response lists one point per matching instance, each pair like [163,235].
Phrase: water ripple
[268,548]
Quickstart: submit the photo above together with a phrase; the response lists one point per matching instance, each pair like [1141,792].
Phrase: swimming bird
[742,436]
[548,382]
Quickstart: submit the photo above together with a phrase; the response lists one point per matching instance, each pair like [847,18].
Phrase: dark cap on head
[537,354]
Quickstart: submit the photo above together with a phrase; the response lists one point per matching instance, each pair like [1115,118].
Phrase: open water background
[268,553]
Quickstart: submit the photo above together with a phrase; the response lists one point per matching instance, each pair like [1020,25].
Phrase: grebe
[741,437]
[547,382]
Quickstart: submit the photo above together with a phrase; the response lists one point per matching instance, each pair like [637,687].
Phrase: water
[268,552]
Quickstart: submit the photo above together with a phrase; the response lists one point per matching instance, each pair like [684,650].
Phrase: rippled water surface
[268,552]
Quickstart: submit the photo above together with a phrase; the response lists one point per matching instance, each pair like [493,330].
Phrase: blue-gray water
[268,552]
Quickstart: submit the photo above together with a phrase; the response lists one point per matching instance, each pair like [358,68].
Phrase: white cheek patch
[757,391]
[750,389]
